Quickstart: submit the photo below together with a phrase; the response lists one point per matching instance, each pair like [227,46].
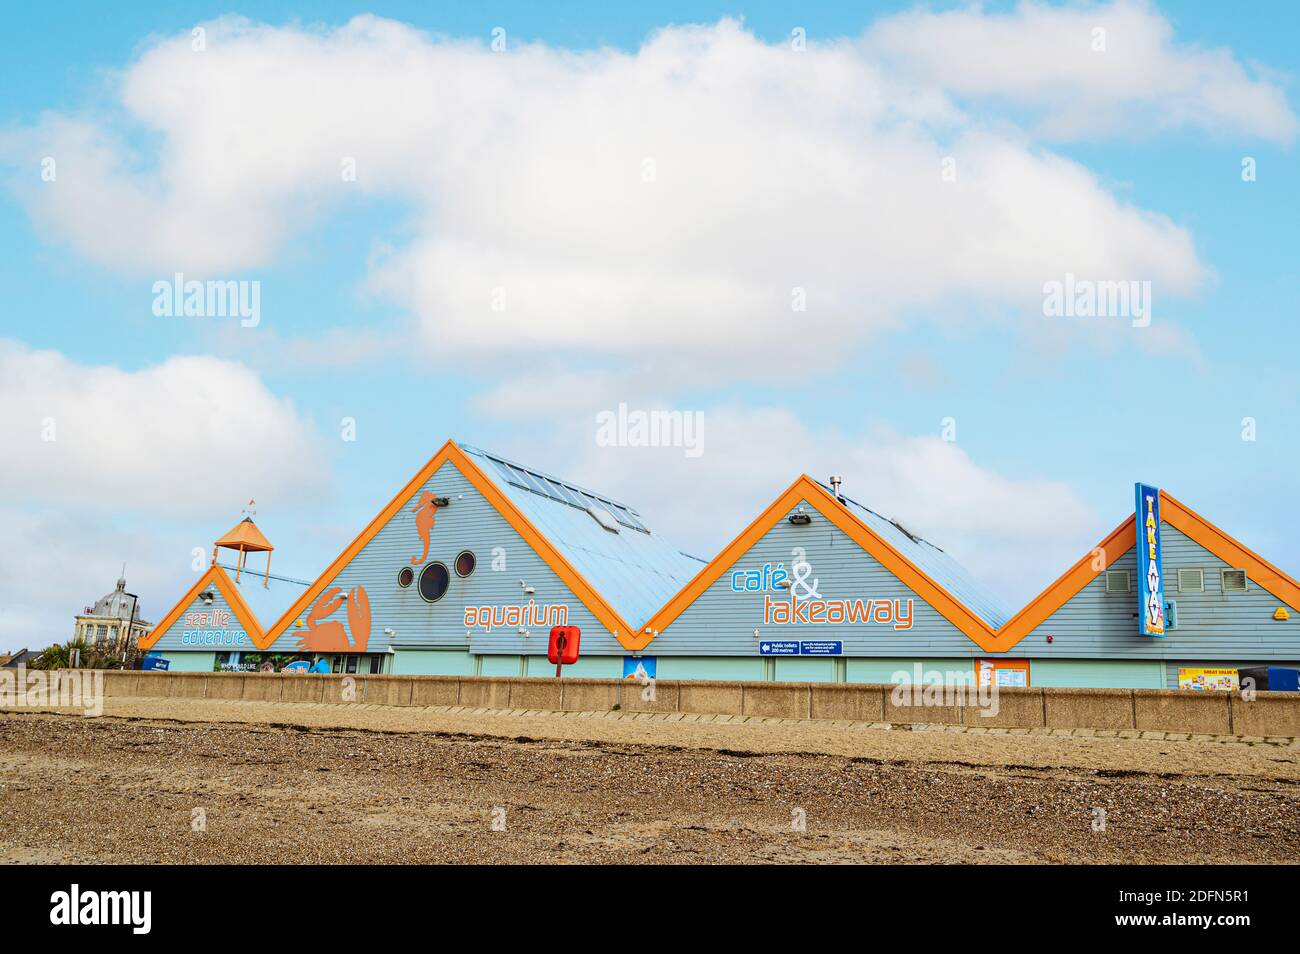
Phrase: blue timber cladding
[722,621]
[1212,625]
[212,636]
[469,522]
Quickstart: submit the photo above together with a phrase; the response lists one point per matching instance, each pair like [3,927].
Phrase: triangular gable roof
[1124,537]
[550,555]
[972,625]
[226,587]
[940,598]
[807,489]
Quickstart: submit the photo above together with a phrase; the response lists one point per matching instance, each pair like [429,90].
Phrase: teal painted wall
[501,666]
[190,661]
[1043,673]
[882,670]
[805,669]
[432,662]
[710,667]
[1096,674]
[587,667]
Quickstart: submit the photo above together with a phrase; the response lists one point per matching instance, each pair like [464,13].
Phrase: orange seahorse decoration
[424,514]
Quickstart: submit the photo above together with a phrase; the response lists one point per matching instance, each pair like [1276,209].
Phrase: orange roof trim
[1179,516]
[1088,568]
[1097,560]
[450,453]
[1230,551]
[804,490]
[807,490]
[216,576]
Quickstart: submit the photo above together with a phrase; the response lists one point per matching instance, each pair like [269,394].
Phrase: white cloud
[55,563]
[525,176]
[329,349]
[1015,534]
[193,436]
[1047,58]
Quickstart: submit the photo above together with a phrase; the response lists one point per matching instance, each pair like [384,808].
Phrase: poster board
[1207,680]
[1003,673]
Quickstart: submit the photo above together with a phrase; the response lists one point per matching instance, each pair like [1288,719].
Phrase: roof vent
[1234,581]
[835,487]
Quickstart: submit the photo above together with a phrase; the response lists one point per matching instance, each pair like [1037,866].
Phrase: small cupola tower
[246,538]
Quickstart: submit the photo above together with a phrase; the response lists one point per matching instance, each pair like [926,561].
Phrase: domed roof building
[104,624]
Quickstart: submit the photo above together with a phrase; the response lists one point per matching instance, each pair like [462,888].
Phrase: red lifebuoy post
[563,647]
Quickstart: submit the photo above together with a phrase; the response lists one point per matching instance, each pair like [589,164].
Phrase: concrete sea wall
[1197,713]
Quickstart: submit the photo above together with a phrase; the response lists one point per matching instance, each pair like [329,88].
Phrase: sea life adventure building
[468,567]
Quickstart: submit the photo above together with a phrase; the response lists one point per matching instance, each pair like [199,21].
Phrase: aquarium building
[471,563]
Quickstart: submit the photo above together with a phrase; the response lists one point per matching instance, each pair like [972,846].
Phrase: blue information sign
[821,647]
[1151,584]
[801,647]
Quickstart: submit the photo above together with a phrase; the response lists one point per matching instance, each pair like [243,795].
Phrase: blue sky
[1124,166]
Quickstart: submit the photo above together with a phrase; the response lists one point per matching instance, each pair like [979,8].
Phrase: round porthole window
[434,579]
[465,563]
[405,576]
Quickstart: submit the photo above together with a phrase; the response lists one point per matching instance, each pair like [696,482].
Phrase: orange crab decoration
[328,635]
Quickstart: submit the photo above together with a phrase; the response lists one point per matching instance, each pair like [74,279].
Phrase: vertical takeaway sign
[1151,586]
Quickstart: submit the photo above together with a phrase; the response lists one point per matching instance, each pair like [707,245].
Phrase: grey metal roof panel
[636,571]
[934,563]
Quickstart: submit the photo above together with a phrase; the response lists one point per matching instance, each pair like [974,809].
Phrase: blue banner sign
[821,647]
[1151,584]
[801,647]
[779,647]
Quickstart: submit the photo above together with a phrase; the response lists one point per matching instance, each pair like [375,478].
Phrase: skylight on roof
[546,486]
[571,496]
[504,470]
